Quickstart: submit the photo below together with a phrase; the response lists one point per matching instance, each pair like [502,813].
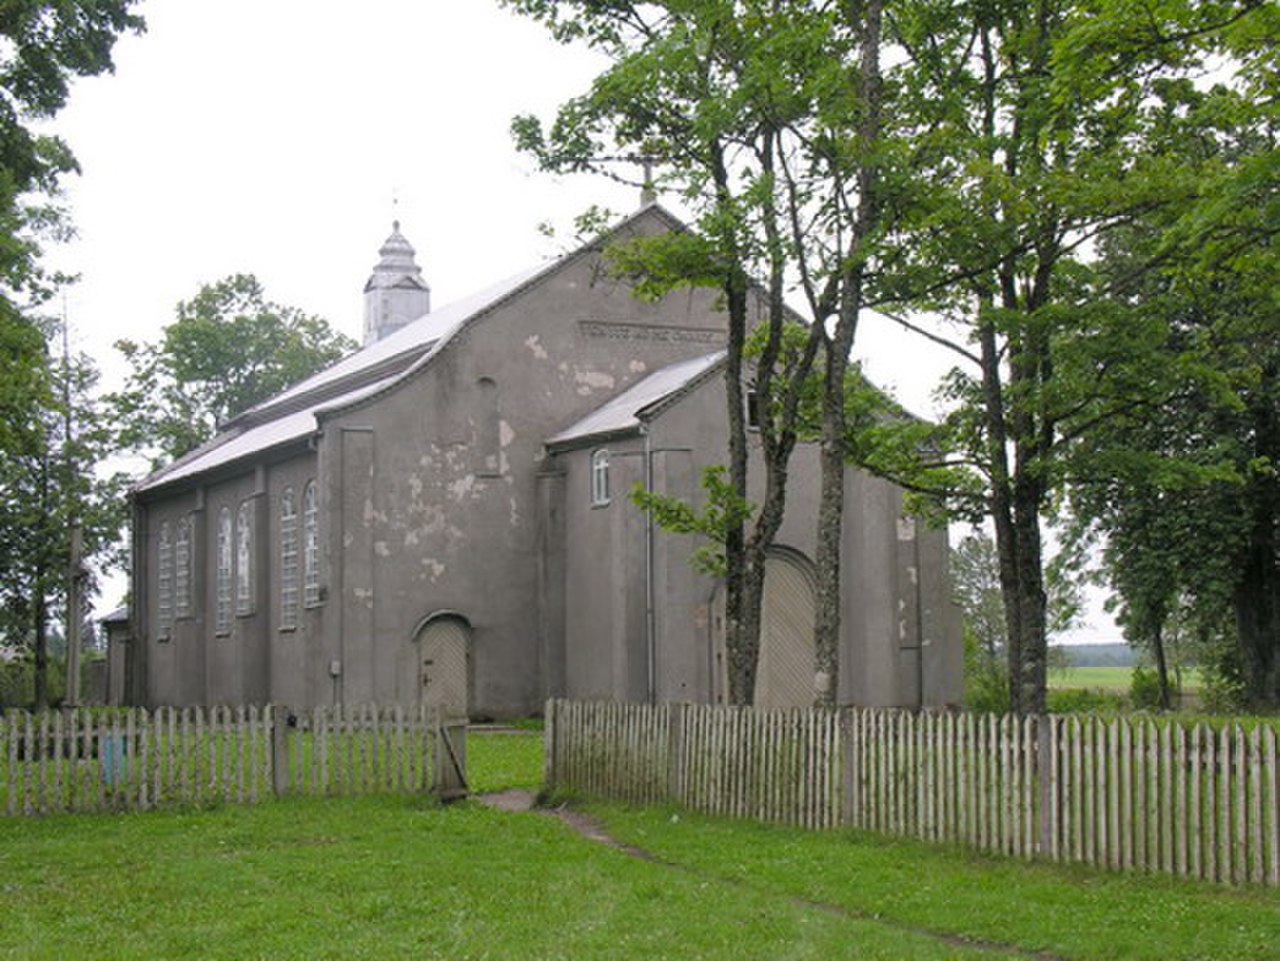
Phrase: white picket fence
[133,759]
[1122,793]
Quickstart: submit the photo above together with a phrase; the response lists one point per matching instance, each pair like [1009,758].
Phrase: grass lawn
[386,878]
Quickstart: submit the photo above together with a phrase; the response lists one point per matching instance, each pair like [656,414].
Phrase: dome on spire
[396,292]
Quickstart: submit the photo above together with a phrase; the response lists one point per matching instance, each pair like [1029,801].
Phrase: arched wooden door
[785,669]
[443,656]
[784,677]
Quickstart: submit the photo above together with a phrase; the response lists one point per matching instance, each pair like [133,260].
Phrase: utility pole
[75,619]
[75,565]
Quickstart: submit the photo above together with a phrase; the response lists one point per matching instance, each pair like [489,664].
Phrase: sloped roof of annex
[625,414]
[295,414]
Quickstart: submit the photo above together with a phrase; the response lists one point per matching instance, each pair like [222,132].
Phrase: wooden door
[443,652]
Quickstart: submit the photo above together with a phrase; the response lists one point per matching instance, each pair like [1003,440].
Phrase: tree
[46,44]
[229,349]
[766,118]
[1036,132]
[975,576]
[52,488]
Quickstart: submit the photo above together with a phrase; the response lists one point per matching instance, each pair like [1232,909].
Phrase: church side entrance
[785,670]
[443,650]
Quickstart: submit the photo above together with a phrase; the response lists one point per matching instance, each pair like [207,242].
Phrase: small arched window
[600,478]
[244,558]
[222,583]
[288,560]
[164,584]
[182,569]
[310,546]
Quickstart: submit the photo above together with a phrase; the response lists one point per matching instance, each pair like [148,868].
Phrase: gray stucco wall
[434,486]
[436,496]
[900,640]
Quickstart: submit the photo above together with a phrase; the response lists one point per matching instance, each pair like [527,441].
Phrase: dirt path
[592,829]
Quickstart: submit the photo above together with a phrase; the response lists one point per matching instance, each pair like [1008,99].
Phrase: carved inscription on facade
[650,333]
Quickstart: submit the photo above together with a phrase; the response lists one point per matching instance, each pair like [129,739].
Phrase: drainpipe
[650,625]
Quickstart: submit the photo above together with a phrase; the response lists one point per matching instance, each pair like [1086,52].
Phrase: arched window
[244,558]
[310,546]
[164,584]
[182,570]
[222,585]
[600,477]
[288,560]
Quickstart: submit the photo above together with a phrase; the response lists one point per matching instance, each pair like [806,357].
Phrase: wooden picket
[126,759]
[1122,794]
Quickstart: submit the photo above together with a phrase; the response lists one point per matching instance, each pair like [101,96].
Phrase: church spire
[395,292]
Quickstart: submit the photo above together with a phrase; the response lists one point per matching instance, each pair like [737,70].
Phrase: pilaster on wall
[551,583]
[354,563]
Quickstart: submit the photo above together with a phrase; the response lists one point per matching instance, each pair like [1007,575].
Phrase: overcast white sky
[271,136]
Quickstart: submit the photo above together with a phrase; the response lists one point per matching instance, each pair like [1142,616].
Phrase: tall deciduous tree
[45,45]
[229,349]
[765,117]
[1034,137]
[52,483]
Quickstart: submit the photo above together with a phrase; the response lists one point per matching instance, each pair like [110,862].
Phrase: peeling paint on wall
[461,488]
[536,348]
[591,380]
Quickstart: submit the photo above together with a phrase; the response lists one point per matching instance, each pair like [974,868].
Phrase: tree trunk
[1256,602]
[865,18]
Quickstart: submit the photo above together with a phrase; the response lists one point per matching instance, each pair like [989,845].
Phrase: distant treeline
[1098,655]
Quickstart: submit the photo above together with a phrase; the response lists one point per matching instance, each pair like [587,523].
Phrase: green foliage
[229,349]
[46,45]
[1144,690]
[724,508]
[52,478]
[986,676]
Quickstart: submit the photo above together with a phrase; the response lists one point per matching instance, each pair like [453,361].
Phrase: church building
[444,517]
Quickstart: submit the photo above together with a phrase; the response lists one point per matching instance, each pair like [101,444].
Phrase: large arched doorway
[444,657]
[785,669]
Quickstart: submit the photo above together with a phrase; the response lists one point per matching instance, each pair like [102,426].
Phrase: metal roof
[623,413]
[289,417]
[293,413]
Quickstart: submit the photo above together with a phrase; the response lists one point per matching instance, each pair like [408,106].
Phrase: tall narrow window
[288,560]
[310,546]
[164,584]
[244,558]
[600,477]
[182,570]
[222,588]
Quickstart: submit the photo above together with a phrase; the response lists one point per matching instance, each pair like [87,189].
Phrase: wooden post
[279,750]
[1046,771]
[675,753]
[549,739]
[450,781]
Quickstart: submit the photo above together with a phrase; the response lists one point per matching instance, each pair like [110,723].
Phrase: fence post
[280,750]
[1046,773]
[450,756]
[549,738]
[675,752]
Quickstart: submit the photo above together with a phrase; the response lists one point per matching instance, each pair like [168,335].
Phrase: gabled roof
[293,414]
[625,413]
